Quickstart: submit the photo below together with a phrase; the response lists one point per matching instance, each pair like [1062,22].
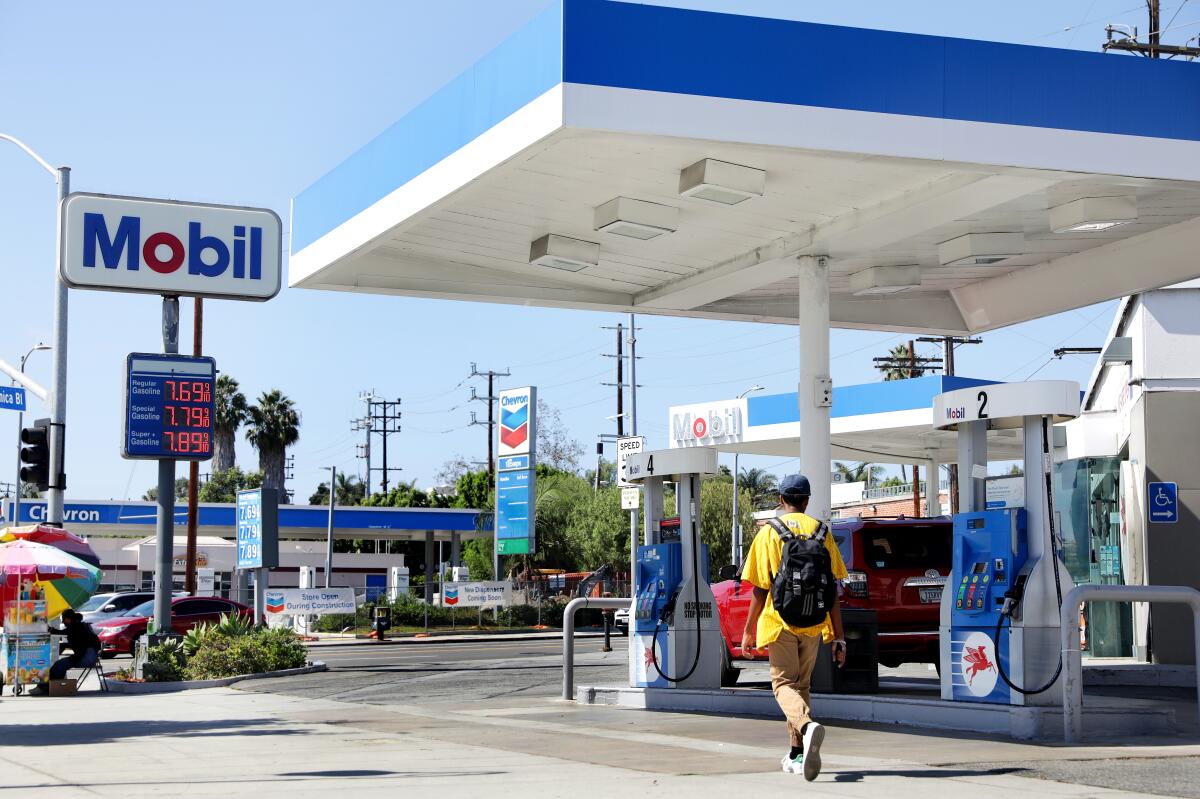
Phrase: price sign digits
[169,407]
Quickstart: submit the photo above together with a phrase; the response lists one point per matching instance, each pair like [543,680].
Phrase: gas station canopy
[624,157]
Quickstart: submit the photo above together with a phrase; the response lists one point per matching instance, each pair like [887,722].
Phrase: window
[918,546]
[208,607]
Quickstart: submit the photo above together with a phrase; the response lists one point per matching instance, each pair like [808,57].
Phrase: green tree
[181,490]
[716,521]
[555,447]
[231,412]
[858,473]
[601,530]
[472,491]
[897,355]
[350,491]
[30,491]
[273,426]
[223,486]
[558,493]
[762,486]
[407,495]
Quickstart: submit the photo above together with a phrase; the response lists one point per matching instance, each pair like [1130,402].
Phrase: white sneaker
[792,766]
[814,736]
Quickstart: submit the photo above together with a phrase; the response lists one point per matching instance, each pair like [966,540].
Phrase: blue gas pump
[674,633]
[999,630]
[990,550]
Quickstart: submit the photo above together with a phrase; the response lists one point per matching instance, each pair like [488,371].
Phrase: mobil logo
[517,421]
[160,247]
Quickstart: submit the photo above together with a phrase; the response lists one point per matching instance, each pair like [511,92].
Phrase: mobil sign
[170,248]
[518,421]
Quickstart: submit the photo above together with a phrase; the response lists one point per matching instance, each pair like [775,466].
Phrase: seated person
[83,643]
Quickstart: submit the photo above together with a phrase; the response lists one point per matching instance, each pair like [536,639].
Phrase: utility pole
[1154,48]
[193,498]
[949,344]
[363,450]
[620,385]
[383,419]
[490,399]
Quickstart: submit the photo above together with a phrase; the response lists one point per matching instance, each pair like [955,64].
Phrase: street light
[16,518]
[737,528]
[58,388]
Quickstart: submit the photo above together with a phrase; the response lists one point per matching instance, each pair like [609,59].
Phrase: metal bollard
[569,635]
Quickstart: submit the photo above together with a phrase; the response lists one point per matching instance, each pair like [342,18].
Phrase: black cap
[795,485]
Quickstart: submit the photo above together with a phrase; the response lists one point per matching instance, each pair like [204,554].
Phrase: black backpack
[803,591]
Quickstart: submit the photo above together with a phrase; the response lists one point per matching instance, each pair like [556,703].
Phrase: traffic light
[35,454]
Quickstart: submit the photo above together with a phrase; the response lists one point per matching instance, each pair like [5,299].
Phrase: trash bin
[860,675]
[382,621]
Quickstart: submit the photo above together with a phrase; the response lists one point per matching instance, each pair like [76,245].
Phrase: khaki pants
[792,659]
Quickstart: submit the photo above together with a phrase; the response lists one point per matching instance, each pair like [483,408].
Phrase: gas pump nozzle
[1013,596]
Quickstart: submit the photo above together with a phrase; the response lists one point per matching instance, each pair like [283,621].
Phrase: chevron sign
[518,423]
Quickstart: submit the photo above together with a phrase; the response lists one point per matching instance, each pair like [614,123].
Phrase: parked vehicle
[119,635]
[621,620]
[105,606]
[897,567]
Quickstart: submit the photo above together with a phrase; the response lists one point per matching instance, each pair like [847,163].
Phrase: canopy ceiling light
[722,182]
[981,249]
[1089,214]
[561,252]
[636,219]
[878,280]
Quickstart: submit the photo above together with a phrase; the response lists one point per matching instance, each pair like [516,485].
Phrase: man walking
[793,564]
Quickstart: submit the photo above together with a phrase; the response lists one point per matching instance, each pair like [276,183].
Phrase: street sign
[257,529]
[163,247]
[631,498]
[12,398]
[626,447]
[1162,502]
[169,407]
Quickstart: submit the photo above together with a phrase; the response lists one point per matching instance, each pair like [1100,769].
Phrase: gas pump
[674,630]
[999,631]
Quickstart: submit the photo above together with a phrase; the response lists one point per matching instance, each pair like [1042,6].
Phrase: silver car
[105,606]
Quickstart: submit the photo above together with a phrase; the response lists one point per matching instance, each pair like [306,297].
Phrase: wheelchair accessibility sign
[1162,500]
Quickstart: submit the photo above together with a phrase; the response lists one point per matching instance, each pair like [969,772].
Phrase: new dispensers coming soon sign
[516,462]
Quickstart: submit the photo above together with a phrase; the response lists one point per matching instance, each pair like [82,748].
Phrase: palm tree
[273,426]
[897,355]
[858,473]
[763,487]
[231,413]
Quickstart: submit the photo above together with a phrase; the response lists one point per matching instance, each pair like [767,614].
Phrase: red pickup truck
[897,568]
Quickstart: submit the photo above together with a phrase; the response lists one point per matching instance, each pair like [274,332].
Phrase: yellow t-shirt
[762,564]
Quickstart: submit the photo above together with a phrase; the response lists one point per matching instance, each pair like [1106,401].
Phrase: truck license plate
[931,595]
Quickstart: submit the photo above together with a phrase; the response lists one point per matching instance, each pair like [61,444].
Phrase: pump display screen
[975,524]
[169,407]
[979,568]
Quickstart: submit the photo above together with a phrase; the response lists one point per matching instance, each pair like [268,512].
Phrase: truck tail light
[856,585]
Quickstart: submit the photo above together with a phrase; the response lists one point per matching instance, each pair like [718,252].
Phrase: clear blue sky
[249,103]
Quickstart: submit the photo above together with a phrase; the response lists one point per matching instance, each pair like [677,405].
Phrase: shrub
[164,662]
[254,652]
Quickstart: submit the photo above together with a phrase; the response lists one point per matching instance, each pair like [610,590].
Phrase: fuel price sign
[168,407]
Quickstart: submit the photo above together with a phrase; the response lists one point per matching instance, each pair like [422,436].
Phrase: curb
[451,638]
[119,687]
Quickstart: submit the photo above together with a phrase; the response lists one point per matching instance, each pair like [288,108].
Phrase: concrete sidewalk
[225,742]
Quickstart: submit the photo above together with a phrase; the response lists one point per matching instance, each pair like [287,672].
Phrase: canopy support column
[814,391]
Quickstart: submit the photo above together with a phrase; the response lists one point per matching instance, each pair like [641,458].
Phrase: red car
[897,568]
[119,635]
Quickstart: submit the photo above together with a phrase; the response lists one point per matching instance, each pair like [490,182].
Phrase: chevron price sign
[516,475]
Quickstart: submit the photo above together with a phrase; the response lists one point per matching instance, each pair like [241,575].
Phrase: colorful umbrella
[55,537]
[63,579]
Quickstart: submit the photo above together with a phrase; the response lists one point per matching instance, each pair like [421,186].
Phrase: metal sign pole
[164,528]
[58,405]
